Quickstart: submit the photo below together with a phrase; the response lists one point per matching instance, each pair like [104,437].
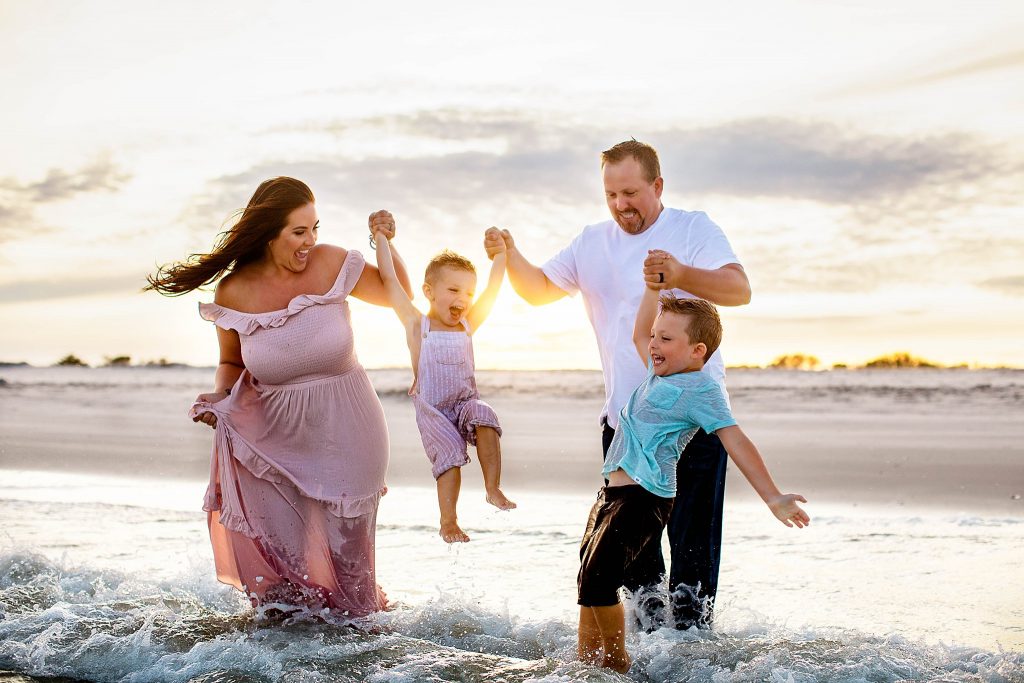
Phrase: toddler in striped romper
[449,412]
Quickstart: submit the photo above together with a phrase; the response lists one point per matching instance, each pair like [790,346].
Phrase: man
[608,262]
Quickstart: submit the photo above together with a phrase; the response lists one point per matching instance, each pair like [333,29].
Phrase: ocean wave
[90,624]
[772,389]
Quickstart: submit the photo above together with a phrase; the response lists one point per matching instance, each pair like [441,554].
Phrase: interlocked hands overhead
[381,222]
[497,241]
[661,269]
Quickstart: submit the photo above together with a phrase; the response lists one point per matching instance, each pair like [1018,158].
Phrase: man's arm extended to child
[479,311]
[746,456]
[645,316]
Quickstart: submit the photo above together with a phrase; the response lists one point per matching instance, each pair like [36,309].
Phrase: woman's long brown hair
[262,219]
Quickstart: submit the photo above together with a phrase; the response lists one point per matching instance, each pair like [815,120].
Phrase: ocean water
[109,576]
[925,388]
[110,579]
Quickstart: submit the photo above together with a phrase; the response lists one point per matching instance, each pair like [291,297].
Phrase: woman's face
[290,249]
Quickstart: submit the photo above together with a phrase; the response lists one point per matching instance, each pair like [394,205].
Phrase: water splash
[83,623]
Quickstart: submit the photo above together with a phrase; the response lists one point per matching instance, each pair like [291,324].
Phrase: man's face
[634,202]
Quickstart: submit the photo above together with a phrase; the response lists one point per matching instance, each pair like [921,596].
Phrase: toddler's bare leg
[448,485]
[488,451]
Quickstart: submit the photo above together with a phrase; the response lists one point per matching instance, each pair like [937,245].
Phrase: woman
[301,446]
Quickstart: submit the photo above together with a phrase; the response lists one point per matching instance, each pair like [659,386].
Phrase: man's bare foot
[620,663]
[498,500]
[451,533]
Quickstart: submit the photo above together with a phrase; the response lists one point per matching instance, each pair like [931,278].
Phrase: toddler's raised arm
[397,297]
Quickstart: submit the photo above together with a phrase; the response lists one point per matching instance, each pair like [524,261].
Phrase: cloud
[888,198]
[18,200]
[820,161]
[1012,285]
[45,290]
[60,184]
[998,62]
[499,152]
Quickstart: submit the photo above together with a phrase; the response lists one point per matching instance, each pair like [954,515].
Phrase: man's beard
[633,226]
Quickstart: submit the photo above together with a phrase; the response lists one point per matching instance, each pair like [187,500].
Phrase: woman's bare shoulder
[230,291]
[328,260]
[331,253]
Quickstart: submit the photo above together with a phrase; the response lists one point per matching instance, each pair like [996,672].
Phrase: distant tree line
[71,360]
[900,359]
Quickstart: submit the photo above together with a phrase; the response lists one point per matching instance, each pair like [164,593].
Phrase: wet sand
[831,452]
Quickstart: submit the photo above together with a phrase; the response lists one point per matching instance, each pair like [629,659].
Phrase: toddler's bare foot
[451,533]
[498,500]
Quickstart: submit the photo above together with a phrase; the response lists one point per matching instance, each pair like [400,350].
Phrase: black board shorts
[623,521]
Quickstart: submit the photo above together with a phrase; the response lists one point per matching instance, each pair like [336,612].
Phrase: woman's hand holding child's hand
[785,508]
[384,223]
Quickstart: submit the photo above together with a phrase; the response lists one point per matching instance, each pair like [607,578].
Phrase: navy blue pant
[694,532]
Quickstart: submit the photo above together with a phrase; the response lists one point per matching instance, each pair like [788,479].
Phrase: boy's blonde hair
[447,259]
[703,326]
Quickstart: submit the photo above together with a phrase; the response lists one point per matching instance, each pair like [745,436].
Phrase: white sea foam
[121,630]
[852,599]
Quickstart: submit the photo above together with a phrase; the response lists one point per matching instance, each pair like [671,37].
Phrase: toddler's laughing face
[450,295]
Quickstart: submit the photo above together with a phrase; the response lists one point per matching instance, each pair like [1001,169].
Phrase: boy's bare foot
[498,500]
[451,533]
[619,662]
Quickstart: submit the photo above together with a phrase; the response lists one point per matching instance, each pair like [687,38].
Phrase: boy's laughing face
[670,347]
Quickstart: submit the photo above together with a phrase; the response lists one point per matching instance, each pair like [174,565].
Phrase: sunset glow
[865,162]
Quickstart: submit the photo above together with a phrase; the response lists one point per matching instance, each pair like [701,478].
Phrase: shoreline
[550,445]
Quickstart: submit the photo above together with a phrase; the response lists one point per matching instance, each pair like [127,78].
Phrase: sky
[866,160]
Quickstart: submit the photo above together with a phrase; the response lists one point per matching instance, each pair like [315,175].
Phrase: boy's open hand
[382,222]
[788,512]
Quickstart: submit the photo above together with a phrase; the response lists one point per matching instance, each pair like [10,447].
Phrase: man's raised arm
[725,286]
[528,280]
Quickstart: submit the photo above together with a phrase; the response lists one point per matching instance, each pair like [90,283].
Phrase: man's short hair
[703,324]
[447,259]
[641,151]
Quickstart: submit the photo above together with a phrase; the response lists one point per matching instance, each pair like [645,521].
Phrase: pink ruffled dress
[299,457]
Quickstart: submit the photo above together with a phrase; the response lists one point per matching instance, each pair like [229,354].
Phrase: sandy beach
[935,445]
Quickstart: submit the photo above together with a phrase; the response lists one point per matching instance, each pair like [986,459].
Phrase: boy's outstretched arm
[746,456]
[645,316]
[397,296]
[479,311]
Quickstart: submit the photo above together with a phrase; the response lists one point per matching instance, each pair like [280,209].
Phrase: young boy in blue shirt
[659,419]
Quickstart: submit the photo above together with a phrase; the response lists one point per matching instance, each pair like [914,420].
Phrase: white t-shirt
[605,263]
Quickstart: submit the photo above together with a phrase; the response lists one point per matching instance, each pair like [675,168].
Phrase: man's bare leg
[488,451]
[448,485]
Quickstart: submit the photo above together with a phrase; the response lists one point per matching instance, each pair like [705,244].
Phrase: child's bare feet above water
[452,533]
[496,498]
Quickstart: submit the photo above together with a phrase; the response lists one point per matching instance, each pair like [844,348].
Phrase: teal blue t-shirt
[660,418]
